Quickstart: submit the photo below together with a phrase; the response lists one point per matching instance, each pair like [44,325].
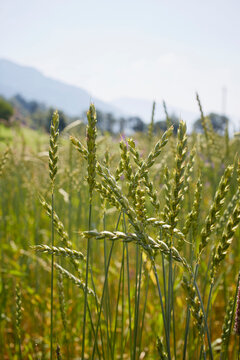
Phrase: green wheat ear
[225,241]
[228,211]
[79,146]
[18,310]
[18,299]
[195,306]
[191,219]
[237,315]
[59,251]
[215,209]
[59,227]
[168,120]
[141,210]
[203,118]
[151,126]
[91,146]
[3,161]
[226,329]
[220,250]
[177,191]
[53,158]
[125,161]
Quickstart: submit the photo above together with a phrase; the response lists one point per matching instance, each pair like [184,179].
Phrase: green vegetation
[6,109]
[219,123]
[119,251]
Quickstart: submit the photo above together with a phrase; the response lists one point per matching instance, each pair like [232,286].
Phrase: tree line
[38,116]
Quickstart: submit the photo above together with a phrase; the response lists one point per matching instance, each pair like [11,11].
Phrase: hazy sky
[150,49]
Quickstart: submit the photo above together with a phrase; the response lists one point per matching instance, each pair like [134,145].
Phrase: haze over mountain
[33,85]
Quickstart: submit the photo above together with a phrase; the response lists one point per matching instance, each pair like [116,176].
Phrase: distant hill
[33,85]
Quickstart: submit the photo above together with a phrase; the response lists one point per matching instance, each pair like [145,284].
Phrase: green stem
[136,297]
[20,349]
[91,322]
[143,316]
[209,300]
[122,330]
[129,304]
[205,320]
[139,292]
[169,293]
[223,355]
[173,311]
[86,280]
[52,273]
[206,277]
[103,293]
[164,282]
[207,312]
[188,319]
[116,313]
[102,298]
[107,301]
[186,333]
[96,301]
[70,193]
[163,314]
[129,294]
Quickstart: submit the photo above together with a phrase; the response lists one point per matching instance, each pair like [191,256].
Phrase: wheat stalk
[53,159]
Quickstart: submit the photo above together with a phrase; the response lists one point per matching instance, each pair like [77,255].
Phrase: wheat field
[119,248]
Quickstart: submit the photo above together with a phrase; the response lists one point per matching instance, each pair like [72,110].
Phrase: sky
[149,49]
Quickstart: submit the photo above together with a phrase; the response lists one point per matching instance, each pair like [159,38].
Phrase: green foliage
[219,123]
[6,110]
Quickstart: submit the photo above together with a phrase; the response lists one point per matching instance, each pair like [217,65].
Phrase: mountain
[33,85]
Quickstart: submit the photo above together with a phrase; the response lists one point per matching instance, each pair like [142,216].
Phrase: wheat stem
[104,289]
[163,314]
[86,280]
[116,310]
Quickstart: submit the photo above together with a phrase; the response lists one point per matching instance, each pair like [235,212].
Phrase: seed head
[237,317]
[91,146]
[3,161]
[18,298]
[53,148]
